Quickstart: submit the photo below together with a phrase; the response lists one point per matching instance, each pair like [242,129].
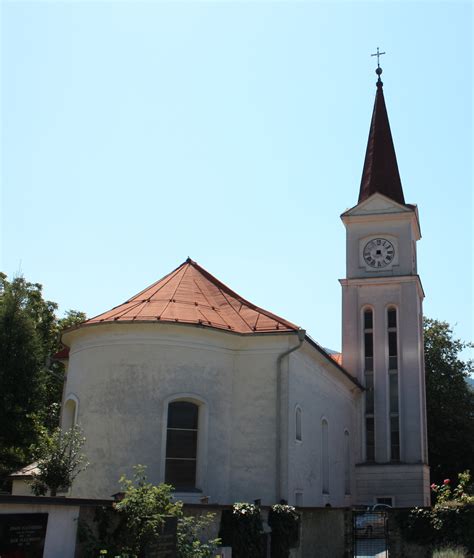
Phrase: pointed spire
[380,172]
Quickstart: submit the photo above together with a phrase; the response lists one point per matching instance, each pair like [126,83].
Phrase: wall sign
[22,535]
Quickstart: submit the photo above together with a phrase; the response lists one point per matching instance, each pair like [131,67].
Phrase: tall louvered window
[181,445]
[369,385]
[392,340]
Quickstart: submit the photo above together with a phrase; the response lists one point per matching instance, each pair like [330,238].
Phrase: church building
[229,402]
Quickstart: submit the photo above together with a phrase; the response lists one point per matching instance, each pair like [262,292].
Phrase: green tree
[30,384]
[450,402]
[59,460]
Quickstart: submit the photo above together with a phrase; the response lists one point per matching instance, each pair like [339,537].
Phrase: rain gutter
[279,446]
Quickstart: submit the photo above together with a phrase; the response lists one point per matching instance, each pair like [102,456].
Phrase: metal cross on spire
[378,54]
[379,70]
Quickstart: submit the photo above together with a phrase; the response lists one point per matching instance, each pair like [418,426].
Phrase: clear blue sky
[135,134]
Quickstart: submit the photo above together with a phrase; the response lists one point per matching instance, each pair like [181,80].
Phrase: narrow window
[392,341]
[325,455]
[369,385]
[298,424]
[347,464]
[181,445]
[69,414]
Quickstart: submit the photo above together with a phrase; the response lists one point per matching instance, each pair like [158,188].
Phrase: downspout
[278,461]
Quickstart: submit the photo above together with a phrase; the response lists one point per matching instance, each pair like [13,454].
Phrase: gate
[370,534]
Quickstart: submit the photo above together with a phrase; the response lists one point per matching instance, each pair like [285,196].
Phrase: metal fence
[370,534]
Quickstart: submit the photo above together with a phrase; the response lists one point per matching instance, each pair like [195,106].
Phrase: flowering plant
[450,520]
[243,508]
[460,493]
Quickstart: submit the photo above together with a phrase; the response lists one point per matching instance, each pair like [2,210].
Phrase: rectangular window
[368,321]
[369,394]
[393,388]
[392,343]
[392,318]
[395,438]
[369,345]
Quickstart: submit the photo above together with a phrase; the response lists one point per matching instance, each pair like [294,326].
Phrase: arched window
[347,463]
[298,432]
[369,384]
[69,413]
[325,456]
[181,445]
[392,341]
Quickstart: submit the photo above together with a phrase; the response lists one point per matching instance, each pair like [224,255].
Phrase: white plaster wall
[61,530]
[21,487]
[123,376]
[398,225]
[408,485]
[321,390]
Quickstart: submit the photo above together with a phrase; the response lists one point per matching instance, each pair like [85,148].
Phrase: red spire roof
[191,295]
[380,172]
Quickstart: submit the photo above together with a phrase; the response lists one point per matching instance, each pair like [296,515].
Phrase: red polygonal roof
[191,295]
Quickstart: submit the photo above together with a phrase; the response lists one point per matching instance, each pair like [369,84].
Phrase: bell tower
[382,331]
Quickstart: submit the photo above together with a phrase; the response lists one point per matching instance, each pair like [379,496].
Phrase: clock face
[379,252]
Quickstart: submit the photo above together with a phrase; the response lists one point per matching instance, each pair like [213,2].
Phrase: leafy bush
[190,535]
[137,518]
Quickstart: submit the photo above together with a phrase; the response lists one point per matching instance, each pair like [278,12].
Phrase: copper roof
[380,172]
[191,295]
[337,357]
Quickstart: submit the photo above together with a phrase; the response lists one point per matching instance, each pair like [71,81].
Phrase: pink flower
[433,486]
[446,481]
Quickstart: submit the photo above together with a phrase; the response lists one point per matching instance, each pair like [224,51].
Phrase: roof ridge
[227,289]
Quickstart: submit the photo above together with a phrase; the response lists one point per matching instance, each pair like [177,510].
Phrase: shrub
[246,531]
[135,522]
[284,522]
[450,521]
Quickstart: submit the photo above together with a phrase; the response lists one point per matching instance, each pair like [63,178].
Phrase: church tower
[382,331]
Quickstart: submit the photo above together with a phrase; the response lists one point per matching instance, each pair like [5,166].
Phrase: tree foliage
[31,390]
[450,402]
[59,460]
